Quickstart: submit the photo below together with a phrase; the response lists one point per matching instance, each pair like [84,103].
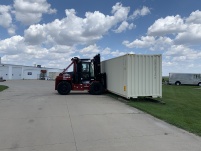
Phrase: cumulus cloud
[117,53]
[194,18]
[15,50]
[106,51]
[5,16]
[25,11]
[35,34]
[149,42]
[182,52]
[140,12]
[30,12]
[124,25]
[57,42]
[180,58]
[178,37]
[6,19]
[13,45]
[90,51]
[183,30]
[192,36]
[167,25]
[74,30]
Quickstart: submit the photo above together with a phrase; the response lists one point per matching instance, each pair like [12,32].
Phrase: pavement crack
[16,146]
[71,126]
[129,137]
[92,114]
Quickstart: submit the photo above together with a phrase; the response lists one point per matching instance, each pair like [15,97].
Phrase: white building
[17,72]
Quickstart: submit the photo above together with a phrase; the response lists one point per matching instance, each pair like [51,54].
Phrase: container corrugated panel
[134,75]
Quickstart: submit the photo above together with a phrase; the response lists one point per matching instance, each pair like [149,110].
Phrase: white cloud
[120,12]
[143,42]
[74,30]
[140,12]
[55,43]
[30,12]
[106,51]
[6,19]
[15,51]
[145,11]
[195,17]
[167,25]
[90,49]
[11,30]
[5,16]
[13,45]
[117,53]
[35,34]
[192,36]
[149,42]
[181,51]
[124,25]
[182,31]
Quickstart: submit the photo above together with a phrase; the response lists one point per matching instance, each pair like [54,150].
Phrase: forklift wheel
[96,88]
[64,88]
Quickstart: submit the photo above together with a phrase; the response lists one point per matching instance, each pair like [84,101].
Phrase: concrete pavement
[34,117]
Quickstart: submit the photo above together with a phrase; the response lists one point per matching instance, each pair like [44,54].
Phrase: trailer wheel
[96,88]
[177,83]
[64,88]
[199,84]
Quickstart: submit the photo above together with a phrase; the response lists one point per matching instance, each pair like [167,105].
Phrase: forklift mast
[97,69]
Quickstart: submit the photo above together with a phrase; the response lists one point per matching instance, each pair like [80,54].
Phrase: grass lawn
[3,87]
[182,107]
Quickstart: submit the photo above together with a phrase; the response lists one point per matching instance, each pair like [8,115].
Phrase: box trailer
[185,78]
[133,75]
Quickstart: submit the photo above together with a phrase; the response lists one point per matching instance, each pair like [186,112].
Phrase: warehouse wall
[17,72]
[4,72]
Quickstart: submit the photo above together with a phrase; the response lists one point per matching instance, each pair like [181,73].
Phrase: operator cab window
[85,67]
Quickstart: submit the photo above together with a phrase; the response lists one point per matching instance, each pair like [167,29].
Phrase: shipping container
[133,75]
[185,78]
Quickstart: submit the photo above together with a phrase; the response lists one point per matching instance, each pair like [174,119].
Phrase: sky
[50,33]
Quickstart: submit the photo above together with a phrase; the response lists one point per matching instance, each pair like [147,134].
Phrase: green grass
[3,87]
[182,107]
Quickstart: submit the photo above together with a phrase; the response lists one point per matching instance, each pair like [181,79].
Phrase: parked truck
[185,78]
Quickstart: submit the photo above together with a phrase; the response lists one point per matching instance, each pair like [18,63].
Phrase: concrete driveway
[34,117]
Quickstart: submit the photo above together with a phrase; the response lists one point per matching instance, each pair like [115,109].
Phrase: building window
[29,73]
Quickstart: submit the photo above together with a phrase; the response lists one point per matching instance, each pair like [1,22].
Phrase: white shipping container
[134,75]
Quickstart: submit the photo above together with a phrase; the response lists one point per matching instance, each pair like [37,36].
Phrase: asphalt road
[34,117]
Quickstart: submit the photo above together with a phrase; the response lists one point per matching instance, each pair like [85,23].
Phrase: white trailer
[185,78]
[134,75]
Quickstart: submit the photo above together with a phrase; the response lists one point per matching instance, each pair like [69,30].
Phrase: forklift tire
[96,88]
[64,88]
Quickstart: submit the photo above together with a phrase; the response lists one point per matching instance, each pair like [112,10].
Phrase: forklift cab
[83,72]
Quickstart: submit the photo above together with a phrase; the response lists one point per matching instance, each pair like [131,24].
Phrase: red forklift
[86,75]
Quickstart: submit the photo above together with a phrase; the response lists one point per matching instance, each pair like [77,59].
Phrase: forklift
[86,75]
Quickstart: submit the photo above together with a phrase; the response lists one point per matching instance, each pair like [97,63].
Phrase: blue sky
[50,33]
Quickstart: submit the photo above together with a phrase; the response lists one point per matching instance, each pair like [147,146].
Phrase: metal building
[17,72]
